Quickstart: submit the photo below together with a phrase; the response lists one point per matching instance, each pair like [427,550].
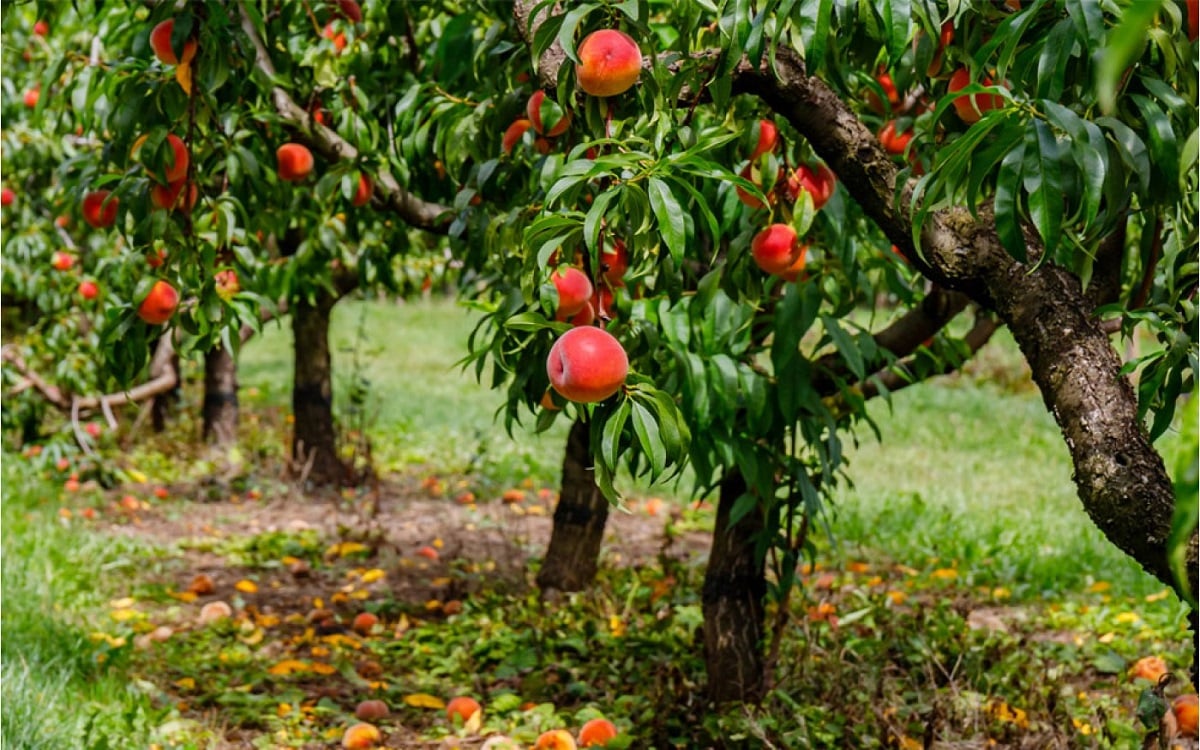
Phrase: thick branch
[1121,479]
[900,338]
[419,213]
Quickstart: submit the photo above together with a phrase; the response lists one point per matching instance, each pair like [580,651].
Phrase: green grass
[62,687]
[422,408]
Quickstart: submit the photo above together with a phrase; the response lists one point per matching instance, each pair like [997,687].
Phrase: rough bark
[161,365]
[220,410]
[314,442]
[579,519]
[735,587]
[1122,482]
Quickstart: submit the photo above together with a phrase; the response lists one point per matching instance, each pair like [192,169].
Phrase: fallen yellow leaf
[424,700]
[246,586]
[288,666]
[373,575]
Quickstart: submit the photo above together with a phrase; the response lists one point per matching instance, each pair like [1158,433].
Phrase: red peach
[41,28]
[533,110]
[295,162]
[768,136]
[335,36]
[512,136]
[364,622]
[372,710]
[587,364]
[32,96]
[362,194]
[159,305]
[609,63]
[7,196]
[100,208]
[88,289]
[1187,714]
[597,733]
[796,270]
[361,737]
[61,261]
[555,739]
[614,261]
[970,108]
[351,10]
[160,43]
[574,290]
[463,707]
[775,248]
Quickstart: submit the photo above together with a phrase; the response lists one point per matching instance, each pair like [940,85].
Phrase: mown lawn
[960,593]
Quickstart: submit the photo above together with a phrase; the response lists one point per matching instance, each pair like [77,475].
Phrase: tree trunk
[220,409]
[165,359]
[579,518]
[734,589]
[1121,479]
[314,442]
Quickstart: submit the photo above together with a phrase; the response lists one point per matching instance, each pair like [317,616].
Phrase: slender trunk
[314,443]
[165,359]
[220,396]
[734,590]
[579,519]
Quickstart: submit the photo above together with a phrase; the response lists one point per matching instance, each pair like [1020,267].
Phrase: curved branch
[901,376]
[432,217]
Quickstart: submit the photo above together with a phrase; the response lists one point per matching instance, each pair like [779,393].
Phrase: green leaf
[570,22]
[1164,149]
[610,440]
[741,508]
[1008,219]
[1123,47]
[1042,178]
[845,346]
[1052,64]
[647,431]
[669,214]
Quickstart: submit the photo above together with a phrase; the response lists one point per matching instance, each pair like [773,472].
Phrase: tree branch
[432,217]
[901,375]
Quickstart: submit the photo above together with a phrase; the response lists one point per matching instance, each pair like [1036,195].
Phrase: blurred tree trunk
[220,409]
[165,360]
[735,587]
[579,519]
[314,442]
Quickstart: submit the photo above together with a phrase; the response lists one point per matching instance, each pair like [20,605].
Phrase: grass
[423,409]
[61,686]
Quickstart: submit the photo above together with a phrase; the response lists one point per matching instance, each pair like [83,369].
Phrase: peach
[614,262]
[1148,667]
[364,622]
[1193,19]
[584,317]
[970,108]
[1186,709]
[748,173]
[177,165]
[159,305]
[372,710]
[61,261]
[534,109]
[32,96]
[775,248]
[609,63]
[156,259]
[548,401]
[202,585]
[574,290]
[160,43]
[7,196]
[889,90]
[227,283]
[793,272]
[172,196]
[463,707]
[893,142]
[768,136]
[818,183]
[214,611]
[335,36]
[362,194]
[295,162]
[555,739]
[361,737]
[41,28]
[512,136]
[597,733]
[351,10]
[100,209]
[587,364]
[89,290]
